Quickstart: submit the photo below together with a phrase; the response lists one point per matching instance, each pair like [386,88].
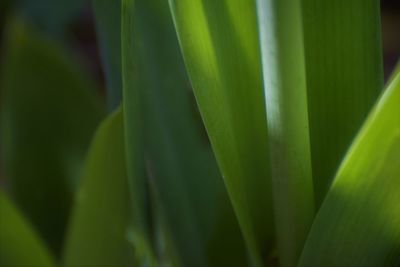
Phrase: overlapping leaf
[19,243]
[98,232]
[220,46]
[48,116]
[359,221]
[182,171]
[344,77]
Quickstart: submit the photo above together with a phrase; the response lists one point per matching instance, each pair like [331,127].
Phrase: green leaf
[344,77]
[286,102]
[98,229]
[49,113]
[220,47]
[107,16]
[134,139]
[359,221]
[182,170]
[19,244]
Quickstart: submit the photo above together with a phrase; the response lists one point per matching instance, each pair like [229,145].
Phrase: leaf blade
[282,48]
[222,62]
[19,244]
[40,131]
[181,169]
[358,223]
[344,78]
[99,222]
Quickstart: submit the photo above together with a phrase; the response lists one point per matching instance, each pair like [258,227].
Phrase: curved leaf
[183,173]
[19,244]
[220,47]
[359,221]
[48,117]
[99,221]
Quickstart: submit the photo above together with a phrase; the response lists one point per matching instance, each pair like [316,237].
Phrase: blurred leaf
[134,139]
[282,48]
[19,244]
[220,46]
[359,221]
[180,163]
[48,15]
[98,228]
[49,114]
[107,16]
[344,77]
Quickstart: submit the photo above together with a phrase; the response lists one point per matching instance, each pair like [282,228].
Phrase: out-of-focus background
[73,26]
[390,10]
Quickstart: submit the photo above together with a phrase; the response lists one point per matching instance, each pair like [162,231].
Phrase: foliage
[240,133]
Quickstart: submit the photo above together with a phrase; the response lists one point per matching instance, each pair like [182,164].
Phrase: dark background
[79,34]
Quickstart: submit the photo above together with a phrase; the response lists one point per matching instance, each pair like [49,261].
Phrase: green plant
[250,133]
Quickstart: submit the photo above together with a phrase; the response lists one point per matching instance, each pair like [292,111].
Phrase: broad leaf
[19,243]
[344,77]
[49,113]
[98,229]
[220,47]
[183,173]
[359,221]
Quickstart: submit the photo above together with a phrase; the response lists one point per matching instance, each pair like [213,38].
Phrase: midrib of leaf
[281,37]
[344,77]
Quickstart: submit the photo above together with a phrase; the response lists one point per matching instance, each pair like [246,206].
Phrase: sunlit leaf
[49,113]
[220,46]
[98,230]
[19,244]
[359,221]
[286,102]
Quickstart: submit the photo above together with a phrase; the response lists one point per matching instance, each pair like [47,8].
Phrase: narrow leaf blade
[287,114]
[220,47]
[359,221]
[344,77]
[182,171]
